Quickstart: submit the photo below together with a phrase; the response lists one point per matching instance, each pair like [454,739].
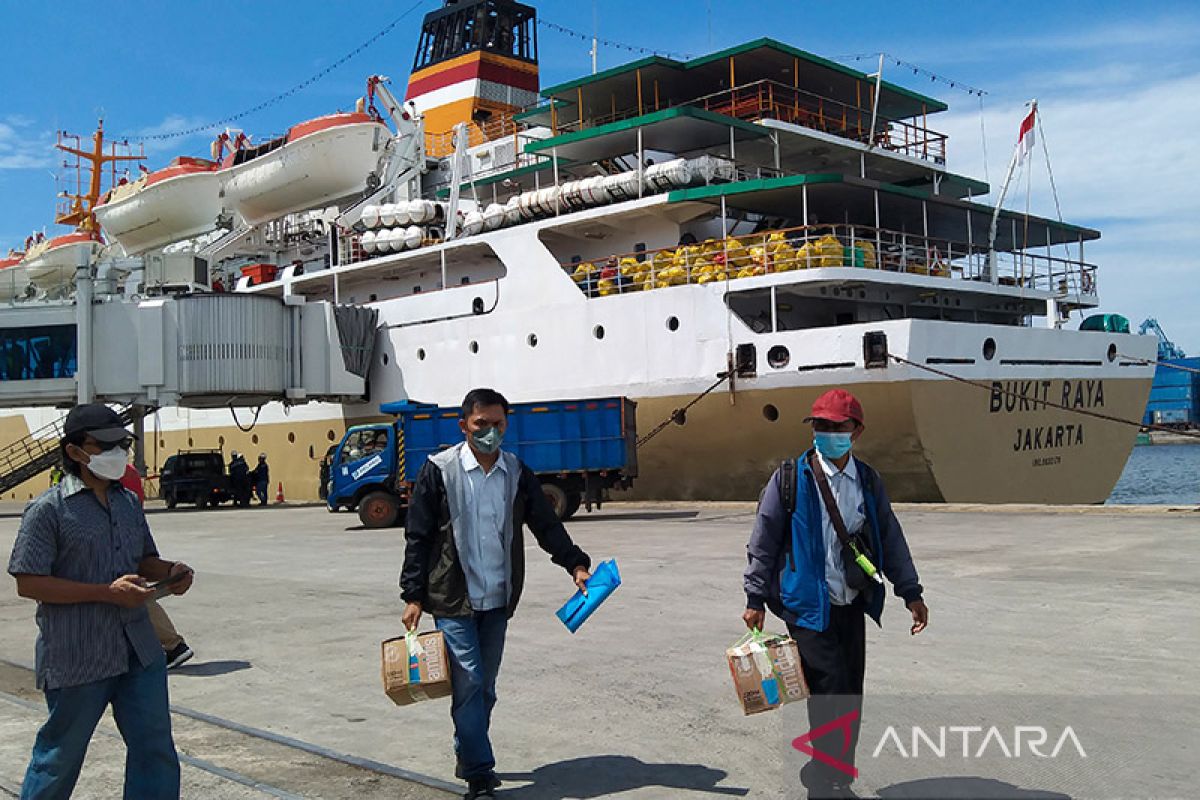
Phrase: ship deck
[1033,611]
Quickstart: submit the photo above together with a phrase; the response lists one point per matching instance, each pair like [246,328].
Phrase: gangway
[32,455]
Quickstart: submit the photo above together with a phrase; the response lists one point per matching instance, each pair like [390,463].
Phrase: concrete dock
[283,698]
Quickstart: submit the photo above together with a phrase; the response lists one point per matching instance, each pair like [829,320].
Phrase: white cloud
[24,147]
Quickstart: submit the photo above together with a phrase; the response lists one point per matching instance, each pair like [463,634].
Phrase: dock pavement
[1058,610]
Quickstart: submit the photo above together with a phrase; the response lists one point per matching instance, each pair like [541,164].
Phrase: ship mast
[79,210]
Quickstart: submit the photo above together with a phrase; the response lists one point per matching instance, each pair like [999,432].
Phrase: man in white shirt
[464,563]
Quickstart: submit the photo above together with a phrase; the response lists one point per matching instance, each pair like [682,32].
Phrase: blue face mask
[832,445]
[487,441]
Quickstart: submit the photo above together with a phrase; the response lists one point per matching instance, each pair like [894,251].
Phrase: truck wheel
[558,499]
[574,501]
[379,510]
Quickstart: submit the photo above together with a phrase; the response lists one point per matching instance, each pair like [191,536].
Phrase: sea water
[1160,474]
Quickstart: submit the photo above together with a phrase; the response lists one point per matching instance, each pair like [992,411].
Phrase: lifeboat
[55,260]
[318,161]
[13,277]
[177,202]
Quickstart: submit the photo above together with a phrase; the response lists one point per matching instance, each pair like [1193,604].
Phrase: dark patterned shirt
[66,533]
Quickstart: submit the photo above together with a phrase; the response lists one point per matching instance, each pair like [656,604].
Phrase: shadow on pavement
[600,776]
[209,669]
[964,788]
[631,516]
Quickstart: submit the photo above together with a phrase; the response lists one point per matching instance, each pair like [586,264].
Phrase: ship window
[640,249]
[1112,353]
[311,452]
[989,348]
[466,280]
[770,413]
[672,323]
[330,435]
[191,443]
[385,359]
[532,340]
[477,305]
[420,354]
[291,438]
[254,439]
[473,347]
[221,442]
[598,331]
[372,298]
[778,356]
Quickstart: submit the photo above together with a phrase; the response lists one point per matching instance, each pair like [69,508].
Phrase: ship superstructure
[761,219]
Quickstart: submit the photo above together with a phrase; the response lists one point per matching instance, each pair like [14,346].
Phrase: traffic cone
[279,494]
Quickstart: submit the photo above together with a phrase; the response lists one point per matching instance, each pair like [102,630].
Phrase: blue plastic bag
[604,581]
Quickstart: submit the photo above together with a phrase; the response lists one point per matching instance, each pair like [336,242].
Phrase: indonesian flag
[1025,139]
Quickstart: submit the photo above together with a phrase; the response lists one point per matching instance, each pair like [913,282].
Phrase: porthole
[420,354]
[190,442]
[330,435]
[311,452]
[778,356]
[477,305]
[291,438]
[254,439]
[598,331]
[672,323]
[989,348]
[162,442]
[770,413]
[532,339]
[385,359]
[679,417]
[372,298]
[1112,353]
[473,347]
[221,442]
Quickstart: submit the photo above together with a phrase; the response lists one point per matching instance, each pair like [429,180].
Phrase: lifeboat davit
[177,202]
[55,260]
[317,162]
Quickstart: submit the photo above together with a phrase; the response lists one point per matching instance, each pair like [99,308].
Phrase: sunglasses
[124,444]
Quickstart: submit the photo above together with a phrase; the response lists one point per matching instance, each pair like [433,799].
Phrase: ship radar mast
[83,173]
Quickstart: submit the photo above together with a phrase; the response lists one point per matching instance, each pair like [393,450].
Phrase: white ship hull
[168,211]
[315,169]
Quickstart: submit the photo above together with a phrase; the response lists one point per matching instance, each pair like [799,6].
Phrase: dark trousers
[834,661]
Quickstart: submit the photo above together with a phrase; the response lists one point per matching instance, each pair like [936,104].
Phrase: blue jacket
[806,603]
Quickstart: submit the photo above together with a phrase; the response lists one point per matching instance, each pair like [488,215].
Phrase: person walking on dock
[823,533]
[85,553]
[239,479]
[465,564]
[261,474]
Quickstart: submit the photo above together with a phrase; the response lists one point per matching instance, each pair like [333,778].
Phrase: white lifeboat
[317,162]
[177,202]
[55,260]
[13,277]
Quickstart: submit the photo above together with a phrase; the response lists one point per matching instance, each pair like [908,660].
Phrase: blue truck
[579,449]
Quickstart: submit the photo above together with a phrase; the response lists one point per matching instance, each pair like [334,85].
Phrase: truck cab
[362,475]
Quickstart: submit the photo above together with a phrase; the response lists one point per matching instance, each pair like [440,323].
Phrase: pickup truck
[579,449]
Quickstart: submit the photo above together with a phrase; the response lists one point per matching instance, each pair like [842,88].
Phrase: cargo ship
[720,239]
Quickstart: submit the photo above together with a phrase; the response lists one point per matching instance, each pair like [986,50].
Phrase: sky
[1116,85]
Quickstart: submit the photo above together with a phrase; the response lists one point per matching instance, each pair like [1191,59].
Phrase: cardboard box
[415,668]
[766,672]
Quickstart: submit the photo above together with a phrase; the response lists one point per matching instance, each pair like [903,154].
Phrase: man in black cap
[85,553]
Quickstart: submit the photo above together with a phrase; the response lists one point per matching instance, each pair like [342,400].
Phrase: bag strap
[831,506]
[787,484]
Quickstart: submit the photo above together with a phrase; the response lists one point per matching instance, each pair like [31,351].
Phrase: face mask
[487,441]
[832,445]
[110,464]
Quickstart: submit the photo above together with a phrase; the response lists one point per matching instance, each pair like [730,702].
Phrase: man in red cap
[823,537]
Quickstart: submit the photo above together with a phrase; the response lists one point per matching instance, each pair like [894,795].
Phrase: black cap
[97,420]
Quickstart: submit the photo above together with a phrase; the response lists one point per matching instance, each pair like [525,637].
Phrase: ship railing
[829,246]
[768,99]
[441,143]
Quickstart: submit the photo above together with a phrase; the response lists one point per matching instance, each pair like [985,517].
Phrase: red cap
[836,405]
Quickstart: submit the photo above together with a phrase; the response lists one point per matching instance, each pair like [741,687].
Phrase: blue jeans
[140,708]
[475,645]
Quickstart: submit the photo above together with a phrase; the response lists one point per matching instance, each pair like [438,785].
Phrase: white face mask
[110,464]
